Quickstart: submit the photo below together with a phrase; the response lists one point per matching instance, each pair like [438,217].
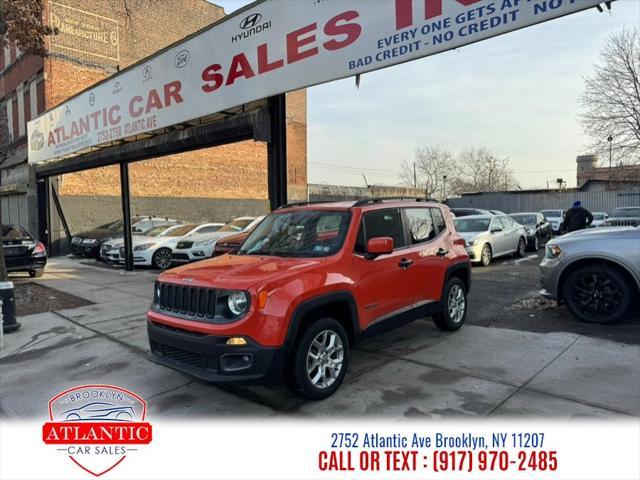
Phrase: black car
[465,212]
[539,230]
[88,243]
[22,253]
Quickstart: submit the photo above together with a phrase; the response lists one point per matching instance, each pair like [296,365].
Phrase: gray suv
[595,272]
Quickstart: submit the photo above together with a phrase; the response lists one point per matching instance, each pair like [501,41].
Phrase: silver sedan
[490,236]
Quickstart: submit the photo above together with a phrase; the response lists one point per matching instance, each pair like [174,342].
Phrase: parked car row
[158,242]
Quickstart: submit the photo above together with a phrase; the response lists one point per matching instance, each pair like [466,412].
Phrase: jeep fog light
[238,303]
[236,341]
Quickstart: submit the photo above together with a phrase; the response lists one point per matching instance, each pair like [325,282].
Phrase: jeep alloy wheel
[320,360]
[325,358]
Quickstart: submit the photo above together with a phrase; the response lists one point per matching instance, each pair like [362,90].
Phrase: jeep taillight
[459,241]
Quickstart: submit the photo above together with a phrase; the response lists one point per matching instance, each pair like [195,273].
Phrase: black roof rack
[300,204]
[359,203]
[366,201]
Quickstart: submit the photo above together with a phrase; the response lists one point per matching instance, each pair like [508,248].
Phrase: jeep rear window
[302,233]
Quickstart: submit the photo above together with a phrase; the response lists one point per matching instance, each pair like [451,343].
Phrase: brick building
[95,40]
[620,175]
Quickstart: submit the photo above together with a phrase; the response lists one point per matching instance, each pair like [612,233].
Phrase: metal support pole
[126,216]
[277,152]
[63,219]
[42,191]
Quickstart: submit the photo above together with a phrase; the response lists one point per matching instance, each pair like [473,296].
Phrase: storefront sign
[275,47]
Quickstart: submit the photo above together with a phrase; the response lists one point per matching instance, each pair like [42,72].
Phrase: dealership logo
[251,25]
[146,73]
[92,98]
[182,58]
[37,139]
[97,426]
[117,87]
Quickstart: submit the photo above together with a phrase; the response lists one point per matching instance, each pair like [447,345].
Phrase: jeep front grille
[187,300]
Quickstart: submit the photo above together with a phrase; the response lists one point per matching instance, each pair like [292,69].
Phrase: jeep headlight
[238,302]
[470,243]
[144,246]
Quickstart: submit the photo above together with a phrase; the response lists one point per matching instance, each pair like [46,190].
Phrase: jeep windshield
[302,233]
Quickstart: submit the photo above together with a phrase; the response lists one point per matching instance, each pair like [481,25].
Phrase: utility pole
[610,140]
[444,187]
[415,177]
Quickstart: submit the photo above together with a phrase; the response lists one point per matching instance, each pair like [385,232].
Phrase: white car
[598,219]
[110,248]
[555,218]
[157,251]
[487,237]
[198,247]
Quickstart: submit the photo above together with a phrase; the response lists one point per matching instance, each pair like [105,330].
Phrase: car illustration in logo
[37,140]
[99,411]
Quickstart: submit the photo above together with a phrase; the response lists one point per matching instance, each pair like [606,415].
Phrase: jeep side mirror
[379,246]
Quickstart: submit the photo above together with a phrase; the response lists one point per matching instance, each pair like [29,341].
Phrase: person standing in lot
[577,217]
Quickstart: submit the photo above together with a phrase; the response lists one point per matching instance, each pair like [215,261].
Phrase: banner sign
[275,46]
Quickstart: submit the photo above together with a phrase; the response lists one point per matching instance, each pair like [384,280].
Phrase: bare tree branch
[611,100]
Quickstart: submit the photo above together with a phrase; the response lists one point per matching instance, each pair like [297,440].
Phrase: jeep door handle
[405,263]
[442,252]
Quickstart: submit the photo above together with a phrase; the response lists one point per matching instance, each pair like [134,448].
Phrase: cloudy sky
[516,95]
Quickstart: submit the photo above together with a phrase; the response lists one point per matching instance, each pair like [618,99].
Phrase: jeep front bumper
[209,358]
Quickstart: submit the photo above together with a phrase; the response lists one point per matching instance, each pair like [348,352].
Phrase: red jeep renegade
[307,284]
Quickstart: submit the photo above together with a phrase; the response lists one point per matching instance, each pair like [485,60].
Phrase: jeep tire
[320,360]
[453,311]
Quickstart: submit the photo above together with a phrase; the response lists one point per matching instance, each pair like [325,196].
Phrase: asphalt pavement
[518,355]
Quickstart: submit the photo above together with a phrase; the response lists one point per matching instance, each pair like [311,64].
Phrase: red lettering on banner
[240,67]
[153,101]
[133,110]
[84,125]
[263,60]
[295,41]
[114,115]
[432,9]
[209,75]
[172,92]
[351,30]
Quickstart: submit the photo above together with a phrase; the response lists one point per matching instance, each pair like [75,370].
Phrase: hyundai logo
[250,21]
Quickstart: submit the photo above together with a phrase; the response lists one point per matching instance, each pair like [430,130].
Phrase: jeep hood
[239,271]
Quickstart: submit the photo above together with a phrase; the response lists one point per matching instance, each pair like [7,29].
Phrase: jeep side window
[420,223]
[385,223]
[438,219]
